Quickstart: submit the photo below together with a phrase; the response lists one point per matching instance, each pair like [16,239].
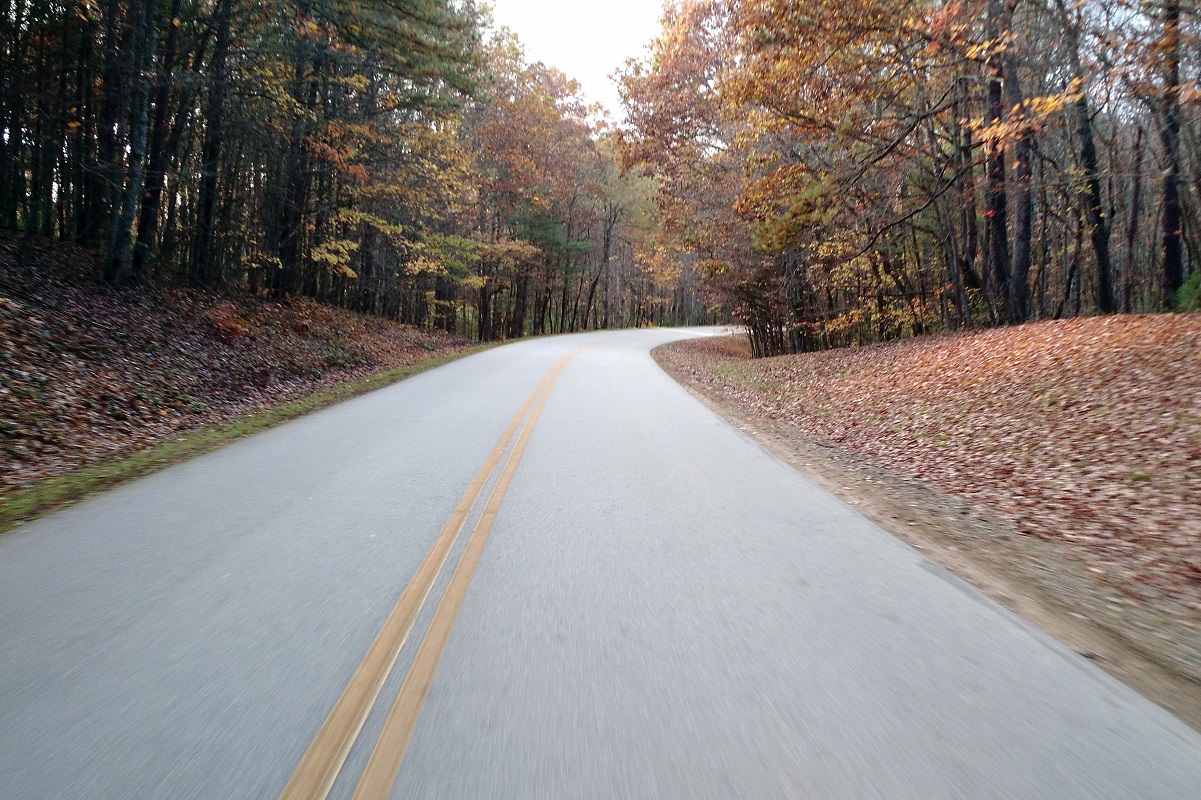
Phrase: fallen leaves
[1084,431]
[87,374]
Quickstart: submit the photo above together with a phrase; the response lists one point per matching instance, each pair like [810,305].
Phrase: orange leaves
[227,318]
[533,139]
[947,22]
[1029,117]
[510,254]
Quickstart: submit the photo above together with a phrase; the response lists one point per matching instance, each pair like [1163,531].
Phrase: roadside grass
[61,490]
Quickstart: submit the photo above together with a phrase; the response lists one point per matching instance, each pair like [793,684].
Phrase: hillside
[88,374]
[1056,464]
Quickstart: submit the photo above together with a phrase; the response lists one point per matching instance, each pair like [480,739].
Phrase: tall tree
[206,270]
[1169,132]
[144,40]
[1072,23]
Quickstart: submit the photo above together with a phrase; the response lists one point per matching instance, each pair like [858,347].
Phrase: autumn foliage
[394,157]
[862,170]
[829,173]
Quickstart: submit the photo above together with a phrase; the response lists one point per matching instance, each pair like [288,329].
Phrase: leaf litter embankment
[88,375]
[1078,441]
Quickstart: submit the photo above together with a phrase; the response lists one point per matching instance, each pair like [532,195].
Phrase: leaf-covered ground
[88,374]
[1082,436]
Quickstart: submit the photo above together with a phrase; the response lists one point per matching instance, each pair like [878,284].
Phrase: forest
[826,173]
[853,171]
[394,157]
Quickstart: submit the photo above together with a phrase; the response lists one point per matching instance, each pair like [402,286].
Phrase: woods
[394,157]
[831,173]
[883,169]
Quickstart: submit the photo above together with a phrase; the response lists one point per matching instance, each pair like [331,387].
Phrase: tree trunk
[1173,261]
[1094,212]
[156,169]
[1136,191]
[516,327]
[485,313]
[83,139]
[108,168]
[291,188]
[996,211]
[612,215]
[11,59]
[206,270]
[964,268]
[120,255]
[1023,154]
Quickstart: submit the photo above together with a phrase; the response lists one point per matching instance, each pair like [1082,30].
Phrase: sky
[585,39]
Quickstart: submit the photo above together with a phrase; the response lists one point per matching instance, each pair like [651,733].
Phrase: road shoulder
[1042,581]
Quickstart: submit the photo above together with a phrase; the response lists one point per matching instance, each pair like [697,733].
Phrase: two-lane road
[635,602]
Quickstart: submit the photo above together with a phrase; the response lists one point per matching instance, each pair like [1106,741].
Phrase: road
[641,604]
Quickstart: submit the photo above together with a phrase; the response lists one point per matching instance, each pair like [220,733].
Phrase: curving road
[641,603]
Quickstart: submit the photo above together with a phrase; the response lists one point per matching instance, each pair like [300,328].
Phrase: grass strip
[60,490]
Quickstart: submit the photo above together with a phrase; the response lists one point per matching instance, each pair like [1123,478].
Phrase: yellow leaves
[424,265]
[309,29]
[258,259]
[995,136]
[983,51]
[356,82]
[356,217]
[1025,118]
[1047,105]
[336,254]
[511,253]
[713,267]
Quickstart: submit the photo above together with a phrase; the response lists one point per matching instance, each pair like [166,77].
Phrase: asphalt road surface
[544,571]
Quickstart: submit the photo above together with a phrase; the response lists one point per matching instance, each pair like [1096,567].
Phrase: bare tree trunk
[1136,192]
[612,215]
[1023,153]
[1093,209]
[108,169]
[11,27]
[120,255]
[971,245]
[294,188]
[517,320]
[996,207]
[1173,262]
[1094,213]
[156,168]
[206,271]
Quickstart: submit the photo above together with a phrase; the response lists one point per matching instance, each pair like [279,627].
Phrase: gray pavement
[662,611]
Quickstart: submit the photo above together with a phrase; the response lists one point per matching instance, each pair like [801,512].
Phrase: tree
[1169,132]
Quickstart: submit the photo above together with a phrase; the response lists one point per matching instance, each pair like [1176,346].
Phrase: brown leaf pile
[1084,431]
[87,374]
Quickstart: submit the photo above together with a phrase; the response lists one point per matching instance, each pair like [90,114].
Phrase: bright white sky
[586,39]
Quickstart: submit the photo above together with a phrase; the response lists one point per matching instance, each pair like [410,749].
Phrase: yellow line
[319,767]
[384,763]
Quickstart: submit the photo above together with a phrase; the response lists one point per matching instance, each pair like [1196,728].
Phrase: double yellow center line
[319,767]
